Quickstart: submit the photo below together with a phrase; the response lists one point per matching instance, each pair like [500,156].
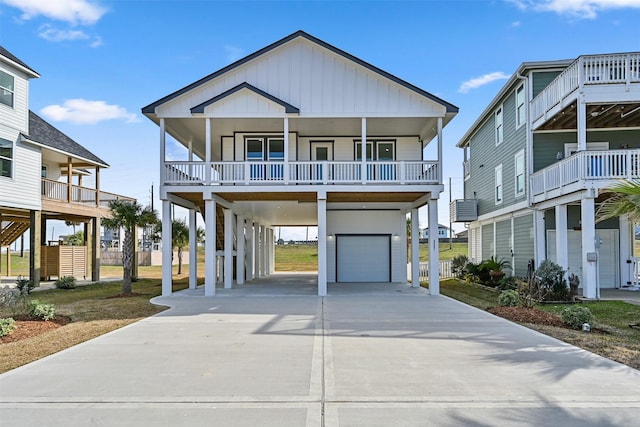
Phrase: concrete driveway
[366,355]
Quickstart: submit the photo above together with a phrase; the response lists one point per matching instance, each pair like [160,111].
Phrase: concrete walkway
[271,354]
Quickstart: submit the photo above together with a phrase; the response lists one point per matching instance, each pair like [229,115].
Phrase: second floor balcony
[57,193]
[423,172]
[583,170]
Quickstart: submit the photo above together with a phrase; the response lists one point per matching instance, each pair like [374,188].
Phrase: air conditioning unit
[463,210]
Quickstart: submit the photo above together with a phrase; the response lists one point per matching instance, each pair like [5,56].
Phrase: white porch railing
[59,191]
[584,71]
[587,165]
[334,172]
[444,270]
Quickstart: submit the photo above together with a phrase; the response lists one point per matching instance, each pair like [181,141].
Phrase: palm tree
[179,238]
[128,215]
[624,200]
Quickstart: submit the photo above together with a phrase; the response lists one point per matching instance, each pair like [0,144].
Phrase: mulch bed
[528,315]
[29,326]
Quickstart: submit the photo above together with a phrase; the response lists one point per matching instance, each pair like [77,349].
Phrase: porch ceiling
[599,116]
[300,208]
[187,130]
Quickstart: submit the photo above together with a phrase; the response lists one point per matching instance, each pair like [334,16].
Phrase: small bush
[66,282]
[24,285]
[458,265]
[7,326]
[509,298]
[41,310]
[550,277]
[576,315]
[10,298]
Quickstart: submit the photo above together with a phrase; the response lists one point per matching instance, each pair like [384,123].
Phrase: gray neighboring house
[554,136]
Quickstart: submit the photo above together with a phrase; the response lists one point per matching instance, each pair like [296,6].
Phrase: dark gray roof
[287,107]
[47,135]
[4,52]
[150,109]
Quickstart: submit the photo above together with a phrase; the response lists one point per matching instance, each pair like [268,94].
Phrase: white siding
[369,222]
[317,81]
[23,189]
[17,117]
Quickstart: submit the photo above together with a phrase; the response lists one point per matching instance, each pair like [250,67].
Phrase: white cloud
[55,35]
[82,111]
[476,82]
[233,53]
[581,9]
[85,12]
[97,42]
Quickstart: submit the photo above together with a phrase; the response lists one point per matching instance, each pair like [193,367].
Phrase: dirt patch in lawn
[28,326]
[528,315]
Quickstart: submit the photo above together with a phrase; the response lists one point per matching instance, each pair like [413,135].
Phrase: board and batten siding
[369,222]
[23,189]
[485,157]
[523,244]
[16,117]
[312,78]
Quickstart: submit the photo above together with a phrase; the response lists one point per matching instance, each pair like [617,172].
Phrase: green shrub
[576,315]
[7,326]
[550,277]
[10,298]
[25,285]
[41,310]
[458,265]
[66,282]
[509,298]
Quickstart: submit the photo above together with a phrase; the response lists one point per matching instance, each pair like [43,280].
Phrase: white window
[519,168]
[498,185]
[520,107]
[6,158]
[6,89]
[499,125]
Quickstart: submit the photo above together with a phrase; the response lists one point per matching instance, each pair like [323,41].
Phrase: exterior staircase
[10,231]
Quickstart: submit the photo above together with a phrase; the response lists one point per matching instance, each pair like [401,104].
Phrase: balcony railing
[598,166]
[59,191]
[585,71]
[324,172]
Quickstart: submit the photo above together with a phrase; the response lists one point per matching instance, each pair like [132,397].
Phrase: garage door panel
[363,258]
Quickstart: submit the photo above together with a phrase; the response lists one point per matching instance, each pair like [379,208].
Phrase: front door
[321,152]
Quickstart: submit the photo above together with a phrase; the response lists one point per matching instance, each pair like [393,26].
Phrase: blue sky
[101,61]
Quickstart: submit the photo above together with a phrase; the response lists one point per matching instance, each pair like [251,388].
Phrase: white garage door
[363,258]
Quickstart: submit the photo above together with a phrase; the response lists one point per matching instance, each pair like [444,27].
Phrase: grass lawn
[19,265]
[446,253]
[613,337]
[296,258]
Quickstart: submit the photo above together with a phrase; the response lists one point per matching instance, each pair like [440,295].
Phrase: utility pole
[450,230]
[152,196]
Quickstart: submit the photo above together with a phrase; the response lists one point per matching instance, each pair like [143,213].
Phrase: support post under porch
[415,249]
[249,250]
[167,249]
[193,249]
[590,288]
[562,244]
[322,244]
[256,250]
[434,250]
[539,237]
[240,250]
[228,248]
[210,265]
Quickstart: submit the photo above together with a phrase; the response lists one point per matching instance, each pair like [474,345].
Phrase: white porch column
[163,138]
[240,250]
[440,150]
[415,249]
[539,237]
[626,250]
[210,274]
[207,144]
[582,124]
[264,256]
[363,151]
[256,250]
[262,249]
[193,249]
[562,243]
[249,250]
[589,268]
[434,250]
[322,244]
[286,150]
[167,249]
[228,248]
[272,251]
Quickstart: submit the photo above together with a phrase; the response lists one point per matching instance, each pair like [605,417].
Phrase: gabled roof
[46,135]
[150,109]
[17,62]
[288,108]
